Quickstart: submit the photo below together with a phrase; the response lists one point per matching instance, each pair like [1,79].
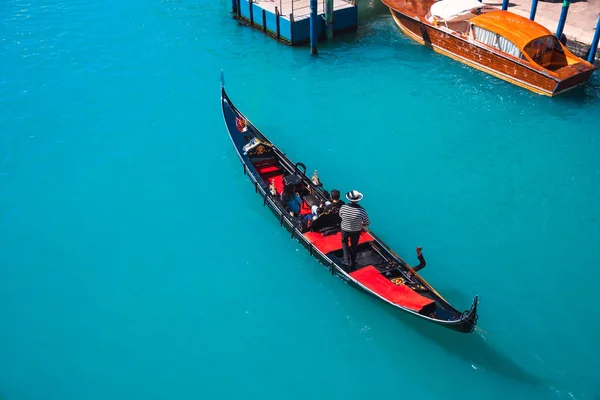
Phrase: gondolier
[354,217]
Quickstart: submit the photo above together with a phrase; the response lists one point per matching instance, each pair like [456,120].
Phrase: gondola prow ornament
[241,124]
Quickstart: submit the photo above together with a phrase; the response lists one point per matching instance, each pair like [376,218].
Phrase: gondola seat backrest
[291,183]
[327,222]
[262,150]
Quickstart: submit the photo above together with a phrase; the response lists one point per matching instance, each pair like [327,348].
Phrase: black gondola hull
[464,322]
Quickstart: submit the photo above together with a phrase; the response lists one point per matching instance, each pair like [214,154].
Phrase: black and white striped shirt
[353,218]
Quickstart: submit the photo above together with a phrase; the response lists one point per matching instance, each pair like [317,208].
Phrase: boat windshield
[546,52]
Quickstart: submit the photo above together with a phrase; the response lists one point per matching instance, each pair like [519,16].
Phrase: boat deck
[411,7]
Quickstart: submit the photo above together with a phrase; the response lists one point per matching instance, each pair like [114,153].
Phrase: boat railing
[300,9]
[293,9]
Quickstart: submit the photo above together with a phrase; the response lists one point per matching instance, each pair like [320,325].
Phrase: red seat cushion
[267,169]
[401,295]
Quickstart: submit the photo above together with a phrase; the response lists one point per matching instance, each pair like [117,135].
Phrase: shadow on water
[474,348]
[586,94]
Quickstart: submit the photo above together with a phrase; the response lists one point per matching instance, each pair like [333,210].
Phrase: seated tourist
[324,208]
[334,203]
[308,218]
[291,200]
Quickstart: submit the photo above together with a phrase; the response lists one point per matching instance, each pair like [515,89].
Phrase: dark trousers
[353,236]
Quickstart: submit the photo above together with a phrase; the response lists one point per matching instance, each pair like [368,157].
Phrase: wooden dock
[289,20]
[299,9]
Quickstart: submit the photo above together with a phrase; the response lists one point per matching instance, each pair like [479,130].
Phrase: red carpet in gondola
[401,295]
[272,172]
[332,242]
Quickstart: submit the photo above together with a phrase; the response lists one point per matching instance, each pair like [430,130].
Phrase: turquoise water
[137,262]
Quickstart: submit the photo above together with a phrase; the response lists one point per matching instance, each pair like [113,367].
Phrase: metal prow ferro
[472,313]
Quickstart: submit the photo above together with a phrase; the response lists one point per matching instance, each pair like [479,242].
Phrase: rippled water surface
[137,262]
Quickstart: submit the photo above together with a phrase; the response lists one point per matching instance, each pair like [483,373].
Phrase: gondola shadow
[475,348]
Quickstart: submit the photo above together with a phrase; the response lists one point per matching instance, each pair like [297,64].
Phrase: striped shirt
[353,218]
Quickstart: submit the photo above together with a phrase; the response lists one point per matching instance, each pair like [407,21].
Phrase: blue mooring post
[313,27]
[505,5]
[234,6]
[533,10]
[595,40]
[563,18]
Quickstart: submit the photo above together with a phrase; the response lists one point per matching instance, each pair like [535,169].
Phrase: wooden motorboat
[498,42]
[379,271]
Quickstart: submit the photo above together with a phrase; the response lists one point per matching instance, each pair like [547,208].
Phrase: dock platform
[289,20]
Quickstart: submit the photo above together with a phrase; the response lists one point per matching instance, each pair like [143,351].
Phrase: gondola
[379,271]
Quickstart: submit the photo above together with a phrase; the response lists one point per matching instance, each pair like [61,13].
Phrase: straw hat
[354,196]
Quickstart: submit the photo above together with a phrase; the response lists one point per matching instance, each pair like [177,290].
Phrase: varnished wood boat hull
[485,60]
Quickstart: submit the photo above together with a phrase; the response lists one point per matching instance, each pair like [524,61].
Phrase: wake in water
[481,353]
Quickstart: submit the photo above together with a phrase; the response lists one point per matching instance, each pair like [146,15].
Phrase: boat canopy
[519,30]
[454,10]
